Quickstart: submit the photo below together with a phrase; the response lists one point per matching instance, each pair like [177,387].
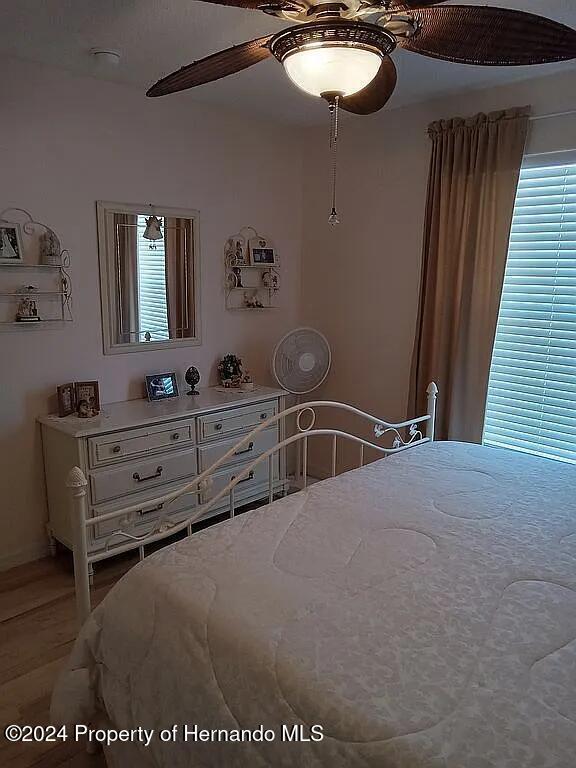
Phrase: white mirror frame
[108,277]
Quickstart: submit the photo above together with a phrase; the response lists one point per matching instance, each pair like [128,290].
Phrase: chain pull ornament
[333,104]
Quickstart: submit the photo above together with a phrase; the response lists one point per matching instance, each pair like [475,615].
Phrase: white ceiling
[156,37]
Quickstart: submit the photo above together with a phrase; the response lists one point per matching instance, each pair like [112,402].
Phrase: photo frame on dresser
[161,386]
[66,394]
[87,399]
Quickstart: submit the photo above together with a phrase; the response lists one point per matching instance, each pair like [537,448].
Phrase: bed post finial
[77,484]
[432,392]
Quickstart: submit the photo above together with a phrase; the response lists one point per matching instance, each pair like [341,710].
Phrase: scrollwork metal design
[29,227]
[312,413]
[162,526]
[399,441]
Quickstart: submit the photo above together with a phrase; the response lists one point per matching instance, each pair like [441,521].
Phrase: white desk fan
[300,363]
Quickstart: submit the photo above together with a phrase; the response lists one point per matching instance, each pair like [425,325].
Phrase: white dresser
[137,450]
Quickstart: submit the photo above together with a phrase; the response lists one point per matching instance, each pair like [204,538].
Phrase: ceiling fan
[340,49]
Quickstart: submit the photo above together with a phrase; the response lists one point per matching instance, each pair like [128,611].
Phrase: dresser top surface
[137,413]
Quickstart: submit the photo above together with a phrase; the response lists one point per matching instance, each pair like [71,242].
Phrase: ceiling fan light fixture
[335,57]
[338,69]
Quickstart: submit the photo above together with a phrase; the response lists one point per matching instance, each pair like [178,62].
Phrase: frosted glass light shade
[332,69]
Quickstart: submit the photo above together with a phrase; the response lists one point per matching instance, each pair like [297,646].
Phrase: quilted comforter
[420,610]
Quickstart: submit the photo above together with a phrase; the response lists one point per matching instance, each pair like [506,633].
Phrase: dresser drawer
[107,484]
[107,449]
[234,420]
[141,521]
[257,478]
[208,454]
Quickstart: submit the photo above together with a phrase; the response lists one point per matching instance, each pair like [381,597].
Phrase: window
[531,405]
[152,306]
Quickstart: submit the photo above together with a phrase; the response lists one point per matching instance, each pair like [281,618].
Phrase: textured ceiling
[157,36]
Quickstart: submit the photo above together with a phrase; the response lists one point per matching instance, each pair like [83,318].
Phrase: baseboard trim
[22,556]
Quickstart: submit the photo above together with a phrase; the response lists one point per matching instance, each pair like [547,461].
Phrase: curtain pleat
[125,227]
[179,293]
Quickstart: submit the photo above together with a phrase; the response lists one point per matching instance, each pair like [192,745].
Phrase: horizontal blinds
[152,308]
[531,405]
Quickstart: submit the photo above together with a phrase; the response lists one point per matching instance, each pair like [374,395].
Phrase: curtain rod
[553,114]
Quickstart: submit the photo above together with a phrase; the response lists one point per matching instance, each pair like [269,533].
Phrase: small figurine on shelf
[237,277]
[235,251]
[230,371]
[271,281]
[50,248]
[251,301]
[27,311]
[247,383]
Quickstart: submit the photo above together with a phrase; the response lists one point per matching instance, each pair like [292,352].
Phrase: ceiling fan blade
[376,94]
[489,36]
[213,67]
[399,4]
[254,5]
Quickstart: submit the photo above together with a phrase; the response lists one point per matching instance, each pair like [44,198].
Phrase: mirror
[149,276]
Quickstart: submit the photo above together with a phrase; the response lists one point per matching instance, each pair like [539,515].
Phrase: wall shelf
[245,282]
[36,293]
[6,325]
[20,265]
[52,296]
[251,309]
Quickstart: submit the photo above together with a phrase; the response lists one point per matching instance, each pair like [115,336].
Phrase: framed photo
[161,386]
[66,399]
[87,399]
[11,249]
[261,252]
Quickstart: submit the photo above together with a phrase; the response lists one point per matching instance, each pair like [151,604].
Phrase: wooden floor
[37,628]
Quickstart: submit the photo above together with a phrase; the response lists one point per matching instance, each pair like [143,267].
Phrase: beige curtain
[179,281]
[472,185]
[126,232]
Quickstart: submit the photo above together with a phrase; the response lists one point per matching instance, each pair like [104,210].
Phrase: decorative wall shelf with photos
[35,284]
[252,272]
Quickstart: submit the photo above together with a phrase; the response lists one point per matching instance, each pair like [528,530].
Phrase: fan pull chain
[333,107]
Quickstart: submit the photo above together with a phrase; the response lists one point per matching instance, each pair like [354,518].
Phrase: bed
[418,612]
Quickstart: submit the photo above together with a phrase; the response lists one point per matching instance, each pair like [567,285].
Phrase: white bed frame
[419,430]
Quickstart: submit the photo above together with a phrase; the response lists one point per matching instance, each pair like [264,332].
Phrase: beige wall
[66,142]
[360,279]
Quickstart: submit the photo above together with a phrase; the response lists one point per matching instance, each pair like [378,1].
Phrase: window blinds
[152,307]
[531,405]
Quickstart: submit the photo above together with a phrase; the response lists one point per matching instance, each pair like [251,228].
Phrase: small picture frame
[87,399]
[66,399]
[262,252]
[161,386]
[11,248]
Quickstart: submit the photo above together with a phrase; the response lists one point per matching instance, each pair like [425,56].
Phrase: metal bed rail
[420,430]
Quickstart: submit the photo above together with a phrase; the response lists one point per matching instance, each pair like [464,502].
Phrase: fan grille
[301,360]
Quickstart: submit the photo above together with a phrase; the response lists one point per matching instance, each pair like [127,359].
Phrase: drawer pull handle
[217,427]
[176,436]
[116,449]
[263,416]
[249,476]
[157,508]
[245,450]
[140,479]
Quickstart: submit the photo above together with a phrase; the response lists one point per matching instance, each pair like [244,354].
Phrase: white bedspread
[421,609]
